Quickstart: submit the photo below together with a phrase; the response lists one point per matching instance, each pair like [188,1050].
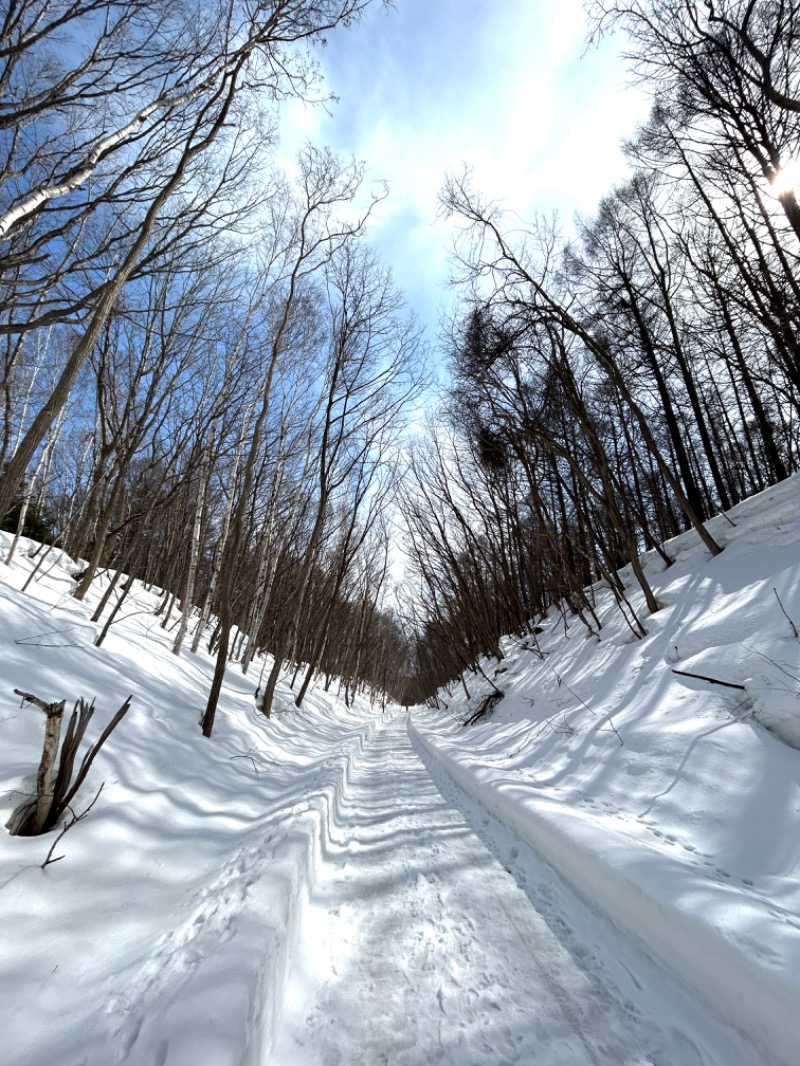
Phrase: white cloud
[505,86]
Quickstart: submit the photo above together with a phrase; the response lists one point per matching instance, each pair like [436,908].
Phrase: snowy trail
[421,945]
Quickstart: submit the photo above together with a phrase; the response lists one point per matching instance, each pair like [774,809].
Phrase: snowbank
[672,804]
[165,932]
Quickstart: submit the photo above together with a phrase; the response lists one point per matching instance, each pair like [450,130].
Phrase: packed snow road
[430,936]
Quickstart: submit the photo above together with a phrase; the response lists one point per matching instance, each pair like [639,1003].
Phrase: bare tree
[730,71]
[307,239]
[529,282]
[170,135]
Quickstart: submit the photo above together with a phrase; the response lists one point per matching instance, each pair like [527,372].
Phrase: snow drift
[165,934]
[670,802]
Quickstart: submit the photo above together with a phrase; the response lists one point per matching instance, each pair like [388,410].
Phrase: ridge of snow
[681,923]
[672,805]
[166,933]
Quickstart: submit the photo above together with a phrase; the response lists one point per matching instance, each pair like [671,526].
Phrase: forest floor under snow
[337,885]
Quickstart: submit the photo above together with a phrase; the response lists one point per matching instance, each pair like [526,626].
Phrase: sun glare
[787,179]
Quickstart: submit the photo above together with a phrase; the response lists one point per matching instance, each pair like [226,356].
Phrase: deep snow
[319,883]
[682,822]
[426,944]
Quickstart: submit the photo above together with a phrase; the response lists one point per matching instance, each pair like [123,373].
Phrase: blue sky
[506,86]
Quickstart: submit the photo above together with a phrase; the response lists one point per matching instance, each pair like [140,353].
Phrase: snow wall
[671,926]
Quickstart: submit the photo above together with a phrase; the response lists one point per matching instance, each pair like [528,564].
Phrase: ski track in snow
[213,915]
[419,946]
[414,927]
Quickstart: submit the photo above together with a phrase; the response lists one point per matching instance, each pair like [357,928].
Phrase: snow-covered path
[420,944]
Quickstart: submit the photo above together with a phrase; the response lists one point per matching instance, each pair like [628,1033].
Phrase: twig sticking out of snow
[782,667]
[37,642]
[710,680]
[249,755]
[583,703]
[75,819]
[488,704]
[795,634]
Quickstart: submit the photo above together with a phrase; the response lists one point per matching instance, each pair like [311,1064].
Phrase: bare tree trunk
[111,517]
[26,502]
[45,784]
[188,592]
[223,539]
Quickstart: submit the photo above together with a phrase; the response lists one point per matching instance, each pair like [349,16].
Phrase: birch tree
[185,74]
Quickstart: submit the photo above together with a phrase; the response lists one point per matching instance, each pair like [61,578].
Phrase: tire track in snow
[417,947]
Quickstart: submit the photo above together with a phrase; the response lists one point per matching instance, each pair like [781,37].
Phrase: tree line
[612,390]
[205,370]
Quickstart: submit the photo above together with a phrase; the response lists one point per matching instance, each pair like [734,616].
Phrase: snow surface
[673,805]
[316,890]
[434,936]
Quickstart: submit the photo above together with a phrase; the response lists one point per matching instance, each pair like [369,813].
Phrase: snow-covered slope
[163,935]
[166,933]
[671,803]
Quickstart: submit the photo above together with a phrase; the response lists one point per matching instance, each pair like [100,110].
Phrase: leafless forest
[209,378]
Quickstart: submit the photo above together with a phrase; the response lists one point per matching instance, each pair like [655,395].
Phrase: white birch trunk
[188,592]
[26,502]
[226,525]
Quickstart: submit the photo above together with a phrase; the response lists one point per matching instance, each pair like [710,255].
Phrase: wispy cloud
[505,86]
